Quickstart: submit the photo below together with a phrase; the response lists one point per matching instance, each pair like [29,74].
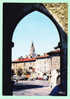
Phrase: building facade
[45,63]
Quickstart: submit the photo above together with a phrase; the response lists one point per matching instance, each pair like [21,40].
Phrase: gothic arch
[12,14]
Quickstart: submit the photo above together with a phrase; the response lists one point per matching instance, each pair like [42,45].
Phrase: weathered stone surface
[60,12]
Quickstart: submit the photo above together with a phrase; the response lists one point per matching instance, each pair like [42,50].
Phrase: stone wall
[60,13]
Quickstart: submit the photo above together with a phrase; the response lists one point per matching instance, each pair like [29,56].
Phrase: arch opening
[45,26]
[62,45]
[38,28]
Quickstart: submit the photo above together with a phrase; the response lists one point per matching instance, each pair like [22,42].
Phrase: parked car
[15,78]
[23,77]
[40,76]
[45,76]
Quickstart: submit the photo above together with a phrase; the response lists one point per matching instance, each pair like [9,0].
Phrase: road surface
[32,88]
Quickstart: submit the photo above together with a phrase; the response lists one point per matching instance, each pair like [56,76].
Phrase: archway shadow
[58,91]
[18,87]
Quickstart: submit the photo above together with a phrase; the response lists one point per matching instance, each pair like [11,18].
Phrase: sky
[36,28]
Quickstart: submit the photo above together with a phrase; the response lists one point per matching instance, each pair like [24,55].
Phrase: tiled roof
[25,59]
[43,56]
[37,57]
[54,52]
[29,59]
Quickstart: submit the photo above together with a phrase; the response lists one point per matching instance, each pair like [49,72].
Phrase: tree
[19,72]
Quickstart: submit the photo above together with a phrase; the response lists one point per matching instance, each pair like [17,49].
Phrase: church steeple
[32,50]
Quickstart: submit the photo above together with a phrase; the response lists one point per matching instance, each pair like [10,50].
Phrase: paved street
[32,88]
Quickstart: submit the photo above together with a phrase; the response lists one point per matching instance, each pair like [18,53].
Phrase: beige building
[38,63]
[45,63]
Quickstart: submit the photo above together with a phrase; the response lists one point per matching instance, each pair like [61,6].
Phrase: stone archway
[12,14]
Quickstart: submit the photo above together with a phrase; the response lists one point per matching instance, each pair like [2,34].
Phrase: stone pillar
[64,69]
[7,83]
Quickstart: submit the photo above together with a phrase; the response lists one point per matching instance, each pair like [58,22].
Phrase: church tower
[32,51]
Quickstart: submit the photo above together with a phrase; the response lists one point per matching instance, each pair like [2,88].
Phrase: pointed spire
[32,50]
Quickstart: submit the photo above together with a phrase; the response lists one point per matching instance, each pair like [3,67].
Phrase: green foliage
[19,72]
